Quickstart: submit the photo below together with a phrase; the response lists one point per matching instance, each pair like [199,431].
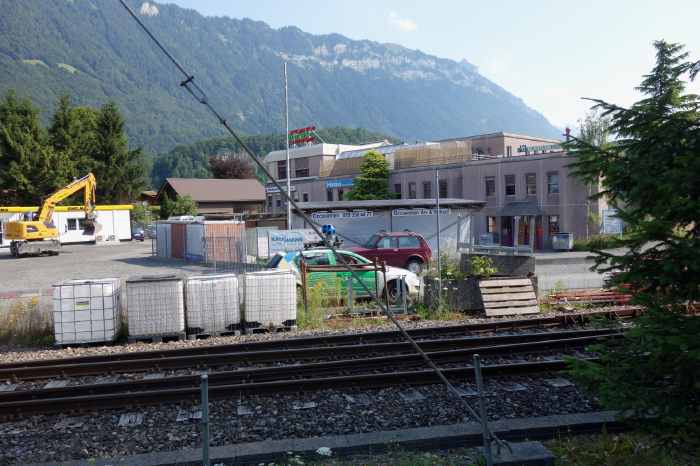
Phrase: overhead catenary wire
[193,88]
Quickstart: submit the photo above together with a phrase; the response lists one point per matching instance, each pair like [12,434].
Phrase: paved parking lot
[84,261]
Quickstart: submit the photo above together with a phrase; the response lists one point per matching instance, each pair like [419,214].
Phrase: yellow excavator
[40,235]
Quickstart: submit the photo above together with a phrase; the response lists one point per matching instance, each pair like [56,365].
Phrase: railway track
[282,350]
[244,358]
[368,372]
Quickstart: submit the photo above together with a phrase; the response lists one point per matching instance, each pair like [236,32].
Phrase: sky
[549,53]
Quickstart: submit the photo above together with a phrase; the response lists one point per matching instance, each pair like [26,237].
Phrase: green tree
[29,168]
[650,174]
[182,205]
[120,172]
[373,180]
[73,131]
[594,128]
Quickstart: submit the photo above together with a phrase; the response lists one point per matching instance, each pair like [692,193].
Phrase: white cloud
[148,9]
[404,24]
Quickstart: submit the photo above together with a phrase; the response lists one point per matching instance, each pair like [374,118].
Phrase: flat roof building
[524,183]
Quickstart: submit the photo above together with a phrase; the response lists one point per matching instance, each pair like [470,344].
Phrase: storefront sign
[342,214]
[612,224]
[540,148]
[344,183]
[273,189]
[284,240]
[417,212]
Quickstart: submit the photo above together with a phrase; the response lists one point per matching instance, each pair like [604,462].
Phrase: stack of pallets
[508,296]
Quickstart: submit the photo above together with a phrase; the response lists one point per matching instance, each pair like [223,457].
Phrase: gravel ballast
[56,438]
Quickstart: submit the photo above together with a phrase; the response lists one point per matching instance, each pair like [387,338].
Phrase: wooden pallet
[508,296]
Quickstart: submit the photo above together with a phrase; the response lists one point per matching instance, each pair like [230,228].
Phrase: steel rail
[12,401]
[243,356]
[7,369]
[174,394]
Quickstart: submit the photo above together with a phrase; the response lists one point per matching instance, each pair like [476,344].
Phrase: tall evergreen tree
[651,174]
[119,171]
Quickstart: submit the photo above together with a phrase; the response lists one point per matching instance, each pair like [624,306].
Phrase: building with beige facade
[525,182]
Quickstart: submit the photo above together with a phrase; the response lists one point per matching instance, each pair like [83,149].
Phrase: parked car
[137,233]
[338,280]
[399,249]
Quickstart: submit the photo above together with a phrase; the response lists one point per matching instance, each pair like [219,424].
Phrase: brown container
[225,241]
[179,236]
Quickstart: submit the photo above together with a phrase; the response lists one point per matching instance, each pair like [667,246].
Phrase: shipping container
[225,241]
[213,305]
[163,240]
[86,311]
[270,298]
[155,305]
[195,242]
[179,240]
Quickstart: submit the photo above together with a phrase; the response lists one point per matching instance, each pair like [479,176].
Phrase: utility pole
[286,138]
[437,223]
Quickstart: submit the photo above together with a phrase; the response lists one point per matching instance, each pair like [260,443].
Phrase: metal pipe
[485,432]
[205,419]
[437,222]
[404,297]
[286,137]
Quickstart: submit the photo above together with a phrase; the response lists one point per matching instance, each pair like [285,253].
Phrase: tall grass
[24,322]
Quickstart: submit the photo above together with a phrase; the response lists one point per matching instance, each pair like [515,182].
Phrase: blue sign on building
[339,183]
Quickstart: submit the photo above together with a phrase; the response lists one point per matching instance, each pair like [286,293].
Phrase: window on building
[341,194]
[412,190]
[510,185]
[301,168]
[269,202]
[72,224]
[397,190]
[553,224]
[408,242]
[531,184]
[553,183]
[490,186]
[295,196]
[509,151]
[427,190]
[443,188]
[329,194]
[282,169]
[491,225]
[278,202]
[305,197]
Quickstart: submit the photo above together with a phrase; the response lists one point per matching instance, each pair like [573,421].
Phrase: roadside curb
[421,438]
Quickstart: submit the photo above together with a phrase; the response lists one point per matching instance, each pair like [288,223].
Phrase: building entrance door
[539,233]
[506,231]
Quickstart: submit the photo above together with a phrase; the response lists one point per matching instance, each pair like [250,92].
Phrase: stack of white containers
[155,305]
[212,304]
[270,298]
[86,311]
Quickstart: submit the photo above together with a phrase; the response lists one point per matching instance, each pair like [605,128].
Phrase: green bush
[483,267]
[597,243]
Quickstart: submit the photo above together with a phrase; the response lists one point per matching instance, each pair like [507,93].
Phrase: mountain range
[93,50]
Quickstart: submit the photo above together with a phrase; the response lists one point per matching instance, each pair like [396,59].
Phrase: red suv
[400,249]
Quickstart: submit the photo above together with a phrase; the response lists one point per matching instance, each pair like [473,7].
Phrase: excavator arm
[40,235]
[86,183]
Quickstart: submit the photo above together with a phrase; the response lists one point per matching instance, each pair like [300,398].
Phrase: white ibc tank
[86,311]
[270,298]
[212,303]
[155,305]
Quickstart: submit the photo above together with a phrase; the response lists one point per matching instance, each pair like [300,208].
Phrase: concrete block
[522,454]
[509,266]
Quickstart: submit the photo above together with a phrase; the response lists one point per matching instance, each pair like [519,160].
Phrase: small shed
[199,240]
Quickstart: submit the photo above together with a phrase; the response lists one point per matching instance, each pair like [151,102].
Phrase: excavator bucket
[90,223]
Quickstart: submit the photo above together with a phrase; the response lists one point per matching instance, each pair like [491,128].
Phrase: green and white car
[338,281]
